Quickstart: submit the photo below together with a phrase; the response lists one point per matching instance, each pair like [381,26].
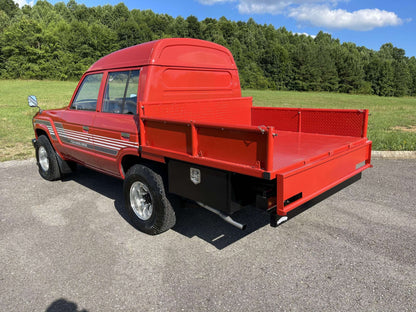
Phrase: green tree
[324,63]
[412,72]
[402,79]
[23,49]
[4,21]
[61,41]
[276,65]
[350,69]
[9,7]
[194,27]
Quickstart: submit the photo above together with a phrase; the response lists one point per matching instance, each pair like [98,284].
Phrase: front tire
[146,202]
[46,159]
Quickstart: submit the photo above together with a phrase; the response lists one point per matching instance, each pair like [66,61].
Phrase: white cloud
[262,6]
[22,3]
[363,20]
[270,6]
[211,2]
[320,13]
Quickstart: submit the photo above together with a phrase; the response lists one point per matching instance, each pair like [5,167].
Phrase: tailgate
[299,185]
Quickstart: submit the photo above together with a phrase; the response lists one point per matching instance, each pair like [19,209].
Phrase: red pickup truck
[167,116]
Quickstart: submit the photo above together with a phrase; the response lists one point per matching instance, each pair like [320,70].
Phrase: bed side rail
[344,122]
[242,149]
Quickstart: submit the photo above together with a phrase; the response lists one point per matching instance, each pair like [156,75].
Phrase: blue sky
[367,23]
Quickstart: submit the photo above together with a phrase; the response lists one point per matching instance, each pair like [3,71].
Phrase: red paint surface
[189,107]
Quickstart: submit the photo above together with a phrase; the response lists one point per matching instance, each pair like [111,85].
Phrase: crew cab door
[74,124]
[115,129]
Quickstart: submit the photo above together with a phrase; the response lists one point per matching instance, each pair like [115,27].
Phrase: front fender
[47,126]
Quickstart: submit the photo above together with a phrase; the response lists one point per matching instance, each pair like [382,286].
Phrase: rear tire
[46,159]
[146,202]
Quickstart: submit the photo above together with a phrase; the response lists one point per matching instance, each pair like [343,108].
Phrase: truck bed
[295,149]
[307,151]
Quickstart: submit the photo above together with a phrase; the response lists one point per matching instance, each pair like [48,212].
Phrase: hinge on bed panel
[262,129]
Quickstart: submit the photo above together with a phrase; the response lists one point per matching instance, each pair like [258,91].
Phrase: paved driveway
[67,246]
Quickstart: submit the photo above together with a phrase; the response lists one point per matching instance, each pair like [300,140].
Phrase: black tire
[46,159]
[143,187]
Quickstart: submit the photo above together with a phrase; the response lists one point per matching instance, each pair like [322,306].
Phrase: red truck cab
[167,116]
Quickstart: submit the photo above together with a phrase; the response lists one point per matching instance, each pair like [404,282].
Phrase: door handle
[125,135]
[85,128]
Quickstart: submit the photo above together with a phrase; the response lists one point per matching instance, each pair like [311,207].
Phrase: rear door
[115,129]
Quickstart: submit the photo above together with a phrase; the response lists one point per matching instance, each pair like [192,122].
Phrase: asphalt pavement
[68,246]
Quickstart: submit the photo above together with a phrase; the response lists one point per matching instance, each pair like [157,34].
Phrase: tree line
[61,41]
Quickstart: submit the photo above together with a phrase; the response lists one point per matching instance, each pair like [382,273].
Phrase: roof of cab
[183,52]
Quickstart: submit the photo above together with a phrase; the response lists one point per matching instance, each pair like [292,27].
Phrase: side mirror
[32,100]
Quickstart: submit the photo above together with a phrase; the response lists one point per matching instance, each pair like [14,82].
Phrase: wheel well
[129,161]
[40,132]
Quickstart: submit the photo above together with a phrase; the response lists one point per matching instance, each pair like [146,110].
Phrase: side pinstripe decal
[99,143]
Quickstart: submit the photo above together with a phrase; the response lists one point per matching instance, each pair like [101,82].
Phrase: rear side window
[87,95]
[121,92]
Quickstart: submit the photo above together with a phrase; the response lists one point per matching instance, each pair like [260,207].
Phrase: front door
[74,124]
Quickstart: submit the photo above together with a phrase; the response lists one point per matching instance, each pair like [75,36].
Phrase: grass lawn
[392,124]
[16,129]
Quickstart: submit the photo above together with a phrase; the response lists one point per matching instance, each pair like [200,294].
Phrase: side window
[87,95]
[121,92]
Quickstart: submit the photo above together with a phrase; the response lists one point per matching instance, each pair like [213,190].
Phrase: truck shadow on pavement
[191,219]
[196,221]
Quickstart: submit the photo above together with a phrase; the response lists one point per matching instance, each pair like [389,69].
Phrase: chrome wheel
[141,200]
[43,158]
